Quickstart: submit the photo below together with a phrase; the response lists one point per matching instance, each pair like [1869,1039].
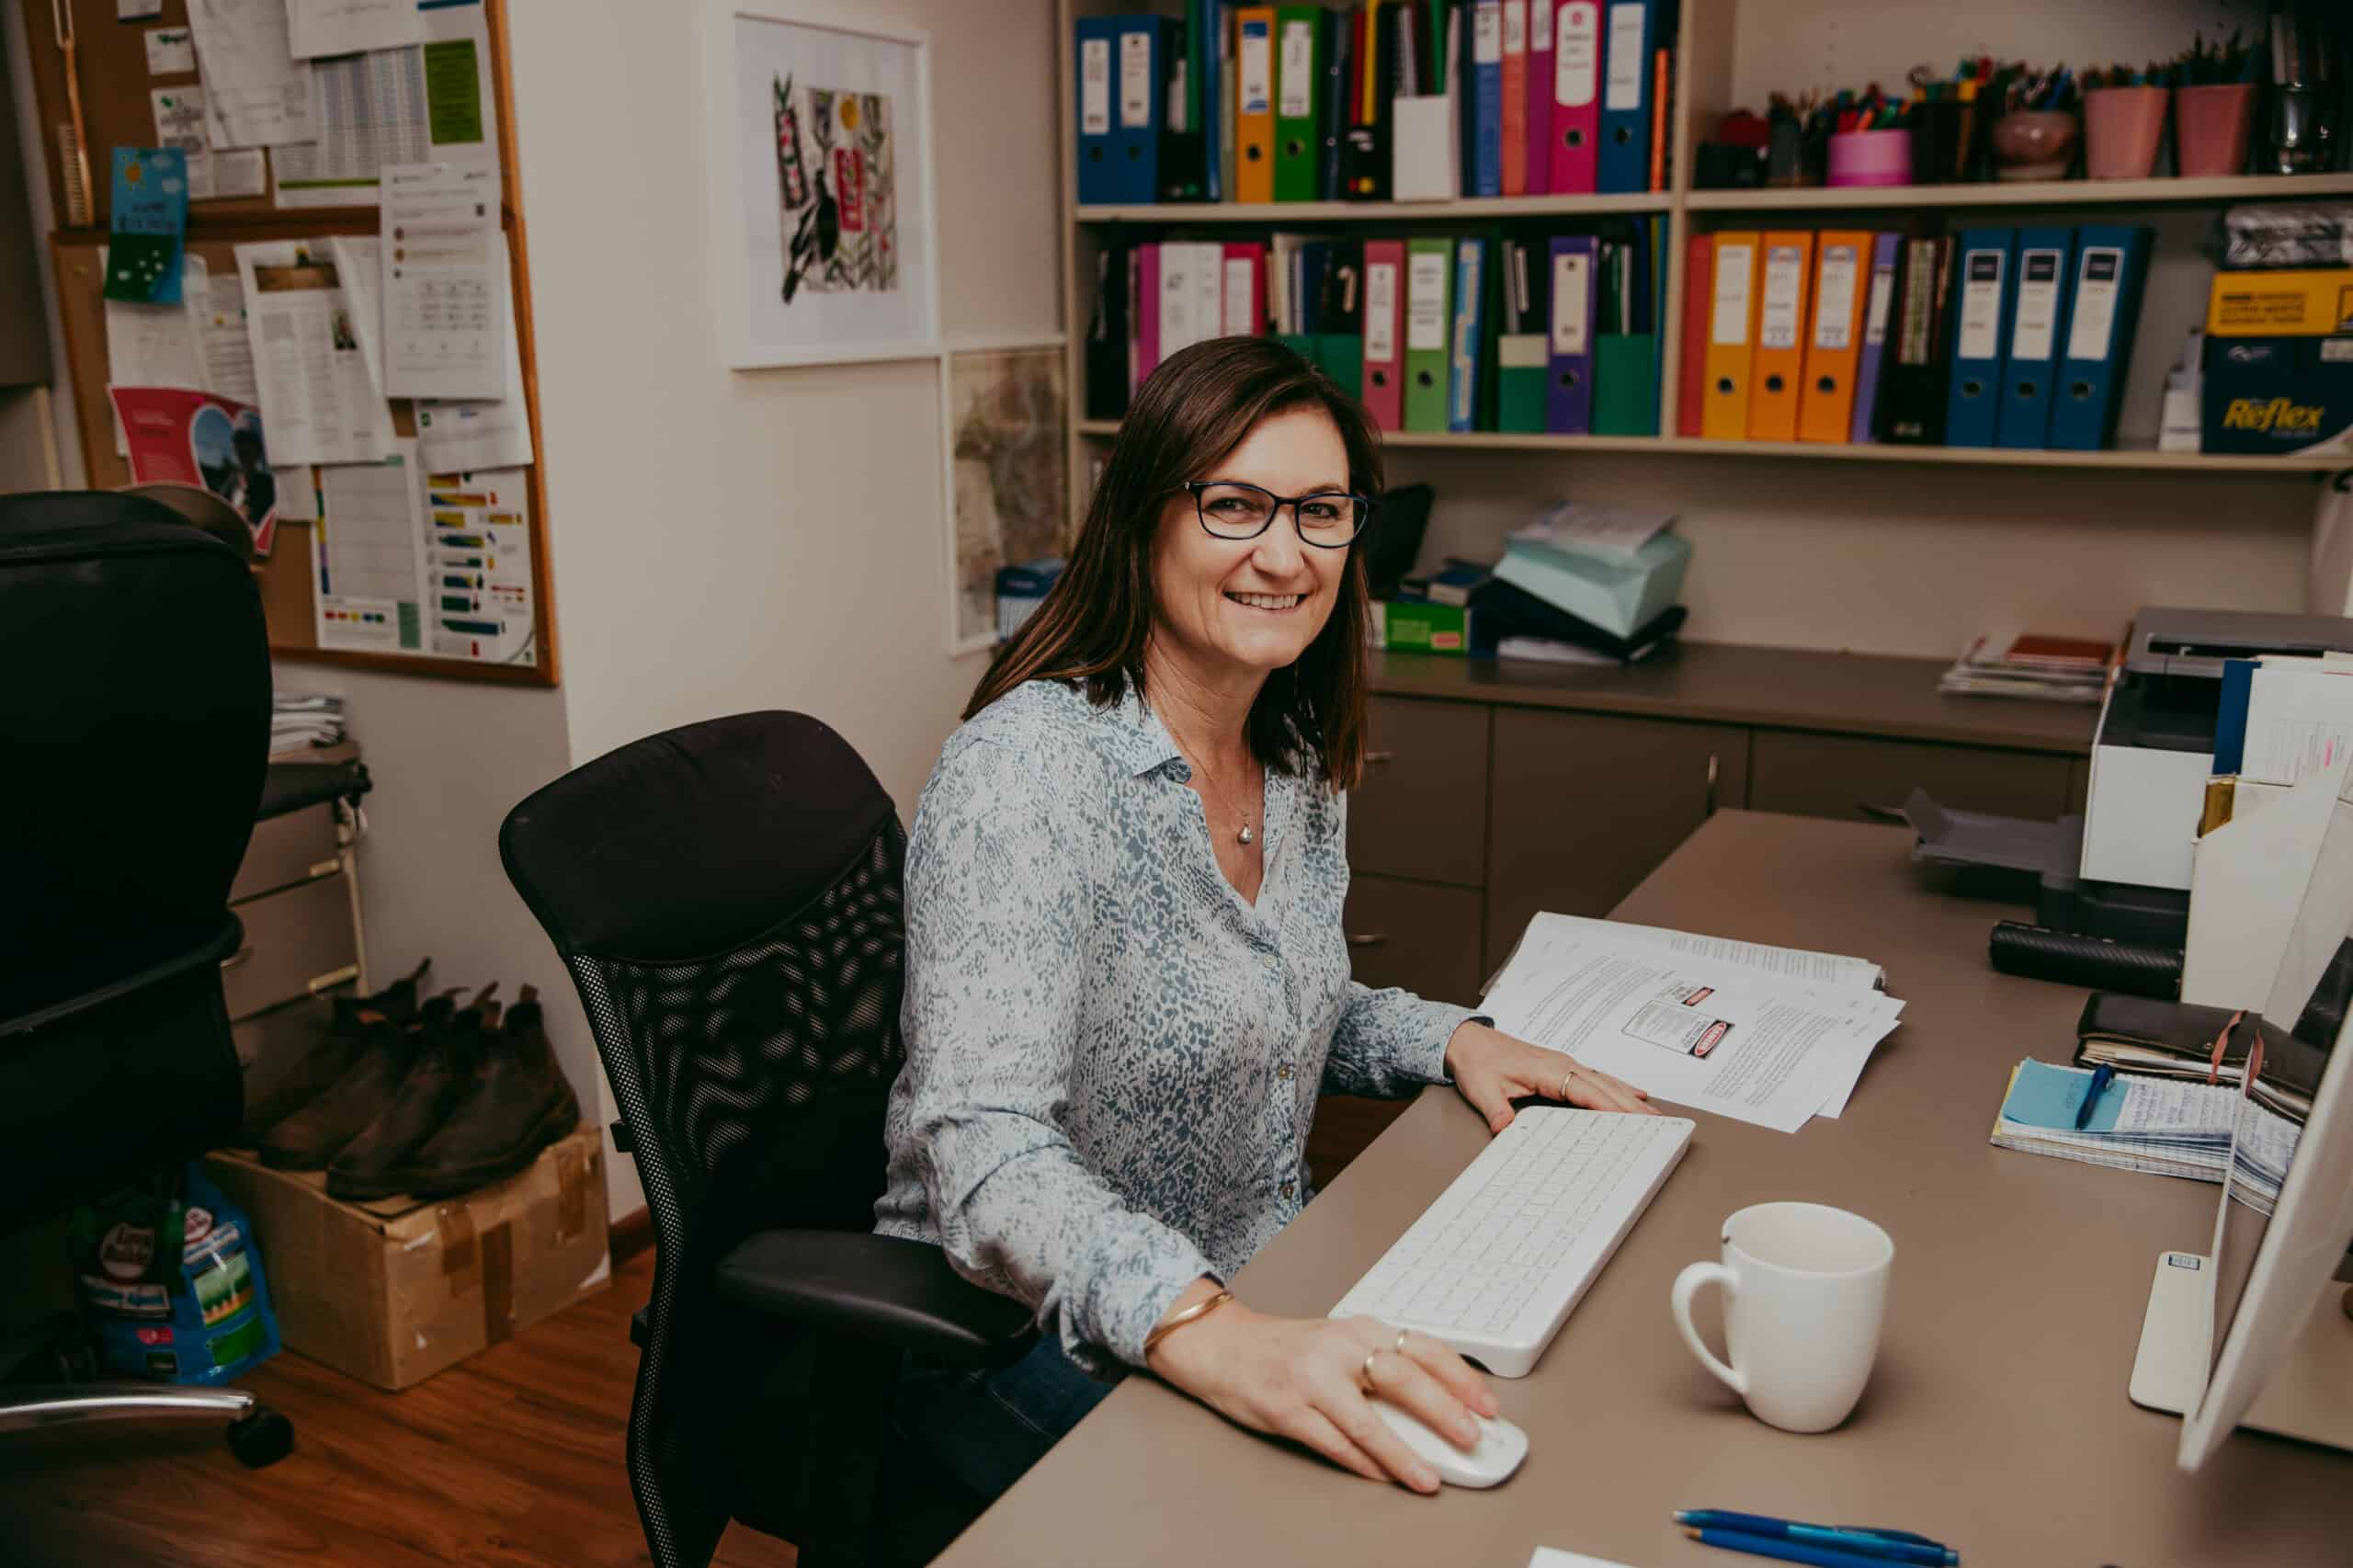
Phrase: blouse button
[1289,1188]
[1283,1072]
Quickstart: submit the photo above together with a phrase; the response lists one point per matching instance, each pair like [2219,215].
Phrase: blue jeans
[987,1426]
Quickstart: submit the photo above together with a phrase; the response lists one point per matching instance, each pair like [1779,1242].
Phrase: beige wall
[738,539]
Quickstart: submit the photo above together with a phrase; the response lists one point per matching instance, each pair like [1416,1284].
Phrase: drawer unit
[1421,810]
[1421,936]
[287,850]
[1587,804]
[1839,776]
[299,941]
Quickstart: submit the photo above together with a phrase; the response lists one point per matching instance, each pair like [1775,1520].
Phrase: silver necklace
[1244,835]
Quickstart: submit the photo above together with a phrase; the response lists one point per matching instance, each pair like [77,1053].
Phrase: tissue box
[1617,598]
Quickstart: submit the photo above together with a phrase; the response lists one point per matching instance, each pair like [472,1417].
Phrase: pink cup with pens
[1870,157]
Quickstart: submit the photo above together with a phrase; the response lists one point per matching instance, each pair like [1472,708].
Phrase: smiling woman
[1126,979]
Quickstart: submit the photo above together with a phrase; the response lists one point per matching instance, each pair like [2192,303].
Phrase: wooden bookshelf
[2026,193]
[1461,209]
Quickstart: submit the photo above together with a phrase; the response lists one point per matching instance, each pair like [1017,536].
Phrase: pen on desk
[1888,1546]
[2102,1077]
[1790,1551]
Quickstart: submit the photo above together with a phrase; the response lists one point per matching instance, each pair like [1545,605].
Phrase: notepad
[2155,1126]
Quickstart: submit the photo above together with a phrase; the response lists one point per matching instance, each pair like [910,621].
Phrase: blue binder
[1983,290]
[1205,16]
[1469,334]
[1486,152]
[1137,46]
[2103,308]
[1097,52]
[1629,34]
[2038,330]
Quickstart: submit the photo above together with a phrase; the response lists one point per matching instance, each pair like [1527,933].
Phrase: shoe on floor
[439,1077]
[342,1037]
[517,1103]
[313,1136]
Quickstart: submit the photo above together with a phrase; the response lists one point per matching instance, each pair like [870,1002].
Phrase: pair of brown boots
[428,1099]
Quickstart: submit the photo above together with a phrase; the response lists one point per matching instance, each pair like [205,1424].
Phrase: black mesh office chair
[726,896]
[134,728]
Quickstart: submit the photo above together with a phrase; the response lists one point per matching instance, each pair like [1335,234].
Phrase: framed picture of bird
[820,186]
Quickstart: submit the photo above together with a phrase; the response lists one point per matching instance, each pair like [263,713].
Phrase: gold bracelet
[1197,1310]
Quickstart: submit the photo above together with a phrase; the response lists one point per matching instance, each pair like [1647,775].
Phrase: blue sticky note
[149,225]
[2045,1096]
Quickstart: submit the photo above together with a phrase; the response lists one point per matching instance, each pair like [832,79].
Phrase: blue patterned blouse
[1112,1059]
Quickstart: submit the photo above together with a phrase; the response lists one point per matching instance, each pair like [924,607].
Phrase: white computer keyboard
[1496,1265]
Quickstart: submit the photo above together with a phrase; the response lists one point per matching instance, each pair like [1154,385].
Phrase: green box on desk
[1411,626]
[2268,396]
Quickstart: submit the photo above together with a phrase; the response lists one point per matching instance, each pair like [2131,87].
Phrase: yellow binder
[1732,337]
[1254,109]
[1784,278]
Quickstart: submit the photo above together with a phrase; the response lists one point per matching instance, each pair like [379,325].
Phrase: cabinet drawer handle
[332,979]
[240,956]
[1712,769]
[1367,938]
[1375,758]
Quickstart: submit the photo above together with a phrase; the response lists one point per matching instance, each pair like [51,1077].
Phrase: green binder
[1342,356]
[1625,384]
[1429,317]
[1521,371]
[1299,96]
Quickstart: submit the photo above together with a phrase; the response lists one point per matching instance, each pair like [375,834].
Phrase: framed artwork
[1003,407]
[819,133]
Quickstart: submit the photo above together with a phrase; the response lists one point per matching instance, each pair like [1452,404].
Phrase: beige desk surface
[1996,1419]
[1790,689]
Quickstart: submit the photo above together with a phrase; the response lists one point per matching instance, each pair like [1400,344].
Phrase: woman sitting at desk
[1126,978]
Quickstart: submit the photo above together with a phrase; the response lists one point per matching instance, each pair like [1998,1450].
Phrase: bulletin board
[112,75]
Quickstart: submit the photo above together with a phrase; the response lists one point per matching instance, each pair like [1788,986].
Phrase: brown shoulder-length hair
[1090,632]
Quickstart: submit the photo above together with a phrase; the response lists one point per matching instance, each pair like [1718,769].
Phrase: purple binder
[1576,282]
[1877,306]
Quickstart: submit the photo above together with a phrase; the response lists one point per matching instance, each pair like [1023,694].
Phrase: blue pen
[2102,1077]
[1789,1551]
[1886,1546]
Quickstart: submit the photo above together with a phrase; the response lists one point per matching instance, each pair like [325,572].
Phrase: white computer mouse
[1500,1449]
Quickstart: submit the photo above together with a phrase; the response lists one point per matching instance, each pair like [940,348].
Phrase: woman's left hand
[1493,1069]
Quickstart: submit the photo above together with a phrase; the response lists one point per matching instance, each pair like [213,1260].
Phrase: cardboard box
[1415,627]
[2281,304]
[393,1292]
[2265,395]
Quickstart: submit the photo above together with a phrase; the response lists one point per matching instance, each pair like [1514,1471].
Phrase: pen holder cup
[2035,144]
[1944,133]
[2123,129]
[1870,157]
[2212,128]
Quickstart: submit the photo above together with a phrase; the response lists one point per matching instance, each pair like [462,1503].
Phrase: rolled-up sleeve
[999,921]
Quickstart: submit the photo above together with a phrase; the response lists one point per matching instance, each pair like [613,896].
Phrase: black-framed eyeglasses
[1330,519]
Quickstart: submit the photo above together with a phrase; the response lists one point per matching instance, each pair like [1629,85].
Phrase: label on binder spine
[1569,324]
[1095,86]
[1257,69]
[1576,64]
[2037,318]
[1135,81]
[1426,300]
[1628,62]
[1728,324]
[1981,307]
[1876,308]
[1540,28]
[1298,85]
[1776,322]
[1239,316]
[1833,305]
[2097,280]
[1514,26]
[1380,312]
[1486,34]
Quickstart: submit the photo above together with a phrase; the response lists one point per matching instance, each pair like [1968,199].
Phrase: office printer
[2155,746]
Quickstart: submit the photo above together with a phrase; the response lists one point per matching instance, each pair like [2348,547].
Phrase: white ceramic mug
[1805,1289]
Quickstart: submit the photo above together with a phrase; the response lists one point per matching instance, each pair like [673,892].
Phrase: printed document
[478,564]
[369,554]
[156,346]
[485,434]
[1547,932]
[429,100]
[211,176]
[319,403]
[255,93]
[445,292]
[346,26]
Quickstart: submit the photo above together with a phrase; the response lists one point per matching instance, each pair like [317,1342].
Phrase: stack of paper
[299,720]
[1773,1036]
[2047,669]
[2157,1126]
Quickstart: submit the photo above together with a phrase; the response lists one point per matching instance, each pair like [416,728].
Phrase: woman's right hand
[1301,1379]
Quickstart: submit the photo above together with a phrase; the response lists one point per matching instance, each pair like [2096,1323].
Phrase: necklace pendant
[1245,835]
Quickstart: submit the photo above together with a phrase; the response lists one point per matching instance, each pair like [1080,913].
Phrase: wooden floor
[511,1458]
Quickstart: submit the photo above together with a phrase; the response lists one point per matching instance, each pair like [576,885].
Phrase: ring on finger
[1572,1073]
[1400,1345]
[1364,1374]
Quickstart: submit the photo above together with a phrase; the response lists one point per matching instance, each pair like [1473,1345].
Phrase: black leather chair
[726,896]
[134,727]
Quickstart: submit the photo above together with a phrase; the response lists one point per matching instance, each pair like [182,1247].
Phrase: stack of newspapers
[299,722]
[1773,1036]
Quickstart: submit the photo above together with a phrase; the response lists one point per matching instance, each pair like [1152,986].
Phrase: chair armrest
[885,1288]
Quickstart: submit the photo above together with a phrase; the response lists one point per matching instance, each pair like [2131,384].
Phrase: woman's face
[1229,605]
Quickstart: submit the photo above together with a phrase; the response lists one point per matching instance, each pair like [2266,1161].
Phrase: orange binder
[1784,271]
[1515,127]
[1732,336]
[1833,344]
[1254,109]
